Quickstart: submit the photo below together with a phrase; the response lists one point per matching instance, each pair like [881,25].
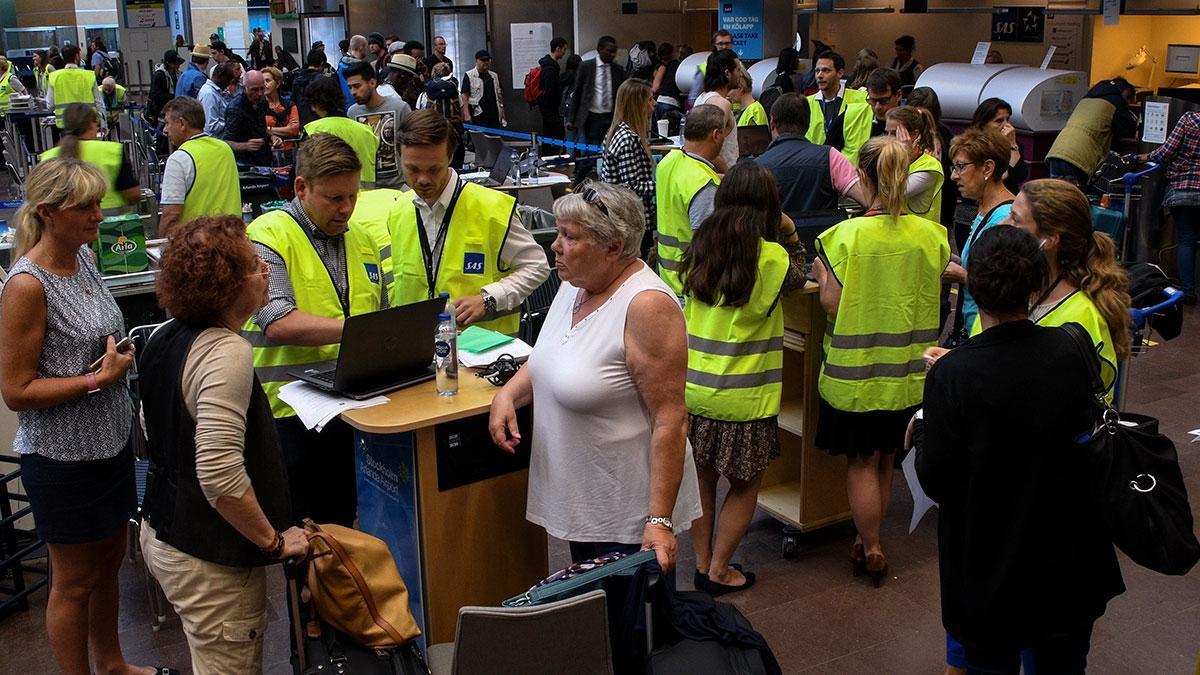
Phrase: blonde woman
[916,128]
[73,421]
[865,63]
[880,277]
[627,159]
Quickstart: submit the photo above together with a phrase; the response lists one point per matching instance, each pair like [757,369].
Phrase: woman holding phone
[73,423]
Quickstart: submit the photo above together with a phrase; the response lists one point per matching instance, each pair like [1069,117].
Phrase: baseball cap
[318,45]
[213,35]
[403,62]
[483,55]
[172,56]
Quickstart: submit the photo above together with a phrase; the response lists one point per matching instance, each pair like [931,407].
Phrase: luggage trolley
[1116,180]
[1141,329]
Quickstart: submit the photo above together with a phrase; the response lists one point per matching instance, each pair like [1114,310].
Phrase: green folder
[476,339]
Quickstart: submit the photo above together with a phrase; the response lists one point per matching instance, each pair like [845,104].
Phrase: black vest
[175,506]
[801,171]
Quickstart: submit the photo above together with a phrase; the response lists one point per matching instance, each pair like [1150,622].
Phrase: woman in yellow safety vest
[80,128]
[41,71]
[880,278]
[742,258]
[915,126]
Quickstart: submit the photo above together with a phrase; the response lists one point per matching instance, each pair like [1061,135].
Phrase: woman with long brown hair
[741,259]
[627,158]
[880,278]
[79,140]
[923,191]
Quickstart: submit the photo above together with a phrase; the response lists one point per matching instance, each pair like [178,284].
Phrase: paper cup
[663,126]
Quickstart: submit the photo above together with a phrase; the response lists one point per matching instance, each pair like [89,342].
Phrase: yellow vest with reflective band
[377,212]
[1079,308]
[358,135]
[72,85]
[6,90]
[891,277]
[929,163]
[105,155]
[216,190]
[856,121]
[678,179]
[735,354]
[470,256]
[754,115]
[315,294]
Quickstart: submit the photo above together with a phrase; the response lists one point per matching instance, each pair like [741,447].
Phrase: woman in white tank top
[610,469]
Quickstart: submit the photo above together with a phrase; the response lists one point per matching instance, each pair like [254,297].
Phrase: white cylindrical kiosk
[959,85]
[763,74]
[1042,100]
[685,75]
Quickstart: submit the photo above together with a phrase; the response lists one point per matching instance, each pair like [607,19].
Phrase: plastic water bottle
[445,356]
[533,161]
[450,309]
[682,123]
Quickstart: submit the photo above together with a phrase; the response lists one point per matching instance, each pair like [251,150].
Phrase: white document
[518,349]
[235,35]
[921,501]
[1049,57]
[316,408]
[1112,12]
[981,51]
[530,42]
[1154,127]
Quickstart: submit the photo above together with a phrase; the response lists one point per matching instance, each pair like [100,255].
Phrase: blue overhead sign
[744,19]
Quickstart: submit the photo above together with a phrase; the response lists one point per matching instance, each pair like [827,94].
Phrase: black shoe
[700,580]
[714,589]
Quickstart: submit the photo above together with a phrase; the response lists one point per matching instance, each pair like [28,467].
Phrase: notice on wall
[981,51]
[235,34]
[743,18]
[145,13]
[530,41]
[1049,57]
[1154,126]
[1064,32]
[1112,12]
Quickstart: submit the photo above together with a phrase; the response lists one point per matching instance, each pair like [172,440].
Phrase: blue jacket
[190,81]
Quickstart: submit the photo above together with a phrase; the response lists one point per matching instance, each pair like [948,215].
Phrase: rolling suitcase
[320,649]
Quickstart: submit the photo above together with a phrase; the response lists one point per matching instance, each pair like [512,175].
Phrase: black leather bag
[1136,482]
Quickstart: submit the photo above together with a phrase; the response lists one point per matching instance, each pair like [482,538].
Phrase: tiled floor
[816,617]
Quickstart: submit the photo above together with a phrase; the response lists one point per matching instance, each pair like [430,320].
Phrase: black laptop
[381,351]
[500,169]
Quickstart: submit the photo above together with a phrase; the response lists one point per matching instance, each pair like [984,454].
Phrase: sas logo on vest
[123,246]
[372,272]
[473,263]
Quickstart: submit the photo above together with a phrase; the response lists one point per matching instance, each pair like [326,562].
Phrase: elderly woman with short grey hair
[611,469]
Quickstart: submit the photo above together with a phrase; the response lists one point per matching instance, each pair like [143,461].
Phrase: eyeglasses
[880,101]
[264,268]
[592,197]
[959,167]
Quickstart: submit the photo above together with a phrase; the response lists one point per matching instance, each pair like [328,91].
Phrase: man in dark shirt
[314,67]
[438,55]
[552,123]
[246,123]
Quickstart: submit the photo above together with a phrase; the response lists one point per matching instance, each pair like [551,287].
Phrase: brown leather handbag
[356,587]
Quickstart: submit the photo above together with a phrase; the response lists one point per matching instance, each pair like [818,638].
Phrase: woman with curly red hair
[217,505]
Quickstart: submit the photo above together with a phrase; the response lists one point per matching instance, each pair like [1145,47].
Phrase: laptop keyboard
[324,376]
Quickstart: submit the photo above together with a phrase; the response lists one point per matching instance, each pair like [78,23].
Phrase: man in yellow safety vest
[73,84]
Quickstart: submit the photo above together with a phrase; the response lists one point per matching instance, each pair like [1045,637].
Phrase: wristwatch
[660,520]
[489,303]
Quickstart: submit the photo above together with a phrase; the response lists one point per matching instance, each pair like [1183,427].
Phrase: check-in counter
[448,502]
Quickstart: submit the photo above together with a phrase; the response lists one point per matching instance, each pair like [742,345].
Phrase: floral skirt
[736,450]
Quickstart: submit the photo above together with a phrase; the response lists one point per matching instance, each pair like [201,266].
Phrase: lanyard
[430,254]
[983,223]
[830,119]
[1037,303]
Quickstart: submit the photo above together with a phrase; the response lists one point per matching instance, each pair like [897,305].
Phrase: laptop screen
[502,166]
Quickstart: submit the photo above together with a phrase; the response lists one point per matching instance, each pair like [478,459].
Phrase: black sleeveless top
[174,505]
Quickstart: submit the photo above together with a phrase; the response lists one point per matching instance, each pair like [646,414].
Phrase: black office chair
[535,307]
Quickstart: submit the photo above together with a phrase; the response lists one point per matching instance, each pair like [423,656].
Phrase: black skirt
[80,502]
[862,434]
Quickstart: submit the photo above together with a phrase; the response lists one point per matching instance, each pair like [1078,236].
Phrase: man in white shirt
[458,237]
[212,98]
[201,176]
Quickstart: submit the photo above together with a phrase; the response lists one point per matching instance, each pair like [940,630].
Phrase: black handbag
[1136,482]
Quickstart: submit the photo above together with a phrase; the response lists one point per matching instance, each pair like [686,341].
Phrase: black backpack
[771,94]
[1146,285]
[110,68]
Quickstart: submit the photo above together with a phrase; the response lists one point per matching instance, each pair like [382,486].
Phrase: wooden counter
[449,503]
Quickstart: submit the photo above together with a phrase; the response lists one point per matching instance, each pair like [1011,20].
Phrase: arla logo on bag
[473,263]
[123,246]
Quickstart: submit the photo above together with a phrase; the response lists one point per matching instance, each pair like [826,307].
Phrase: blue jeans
[1066,171]
[1187,218]
[1064,654]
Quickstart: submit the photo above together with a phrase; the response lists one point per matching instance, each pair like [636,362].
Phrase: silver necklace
[579,301]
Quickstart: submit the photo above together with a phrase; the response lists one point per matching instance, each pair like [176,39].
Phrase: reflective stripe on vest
[376,210]
[314,293]
[72,85]
[890,272]
[929,163]
[470,257]
[1079,308]
[735,354]
[856,122]
[105,155]
[679,178]
[216,190]
[358,135]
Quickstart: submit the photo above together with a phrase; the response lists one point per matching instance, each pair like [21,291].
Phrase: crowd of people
[659,368]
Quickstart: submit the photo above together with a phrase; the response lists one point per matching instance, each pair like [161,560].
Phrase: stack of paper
[518,349]
[315,407]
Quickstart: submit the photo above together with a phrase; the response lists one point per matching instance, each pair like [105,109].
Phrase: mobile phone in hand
[122,346]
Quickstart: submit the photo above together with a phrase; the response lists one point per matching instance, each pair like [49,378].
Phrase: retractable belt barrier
[526,136]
